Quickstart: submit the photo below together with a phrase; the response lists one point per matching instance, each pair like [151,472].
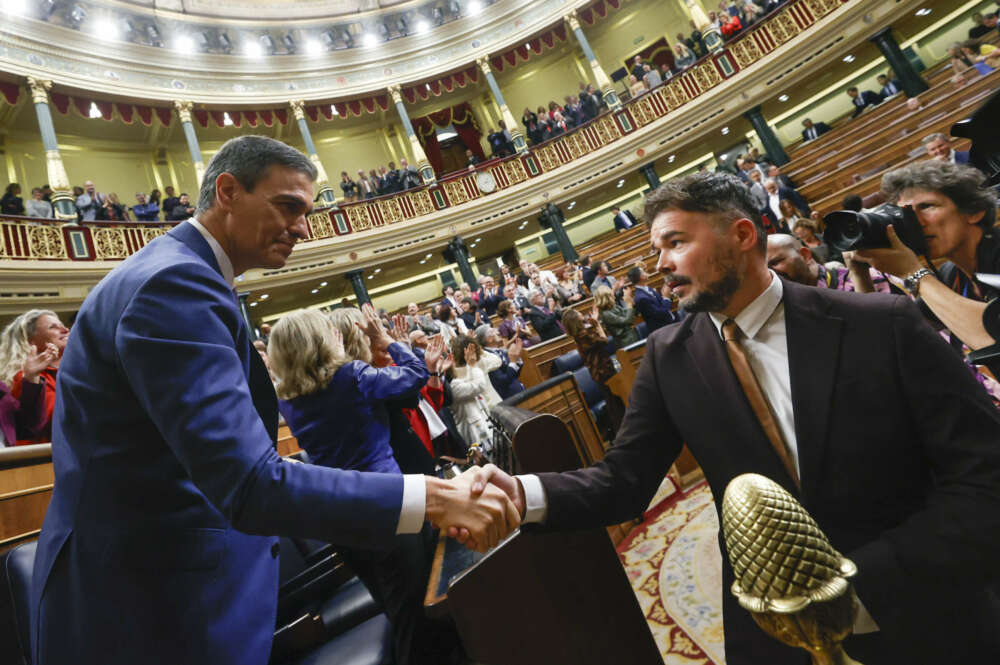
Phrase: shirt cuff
[411,514]
[536,505]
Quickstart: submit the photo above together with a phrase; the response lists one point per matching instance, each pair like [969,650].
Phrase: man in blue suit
[624,219]
[158,543]
[655,310]
[939,147]
[862,100]
[890,87]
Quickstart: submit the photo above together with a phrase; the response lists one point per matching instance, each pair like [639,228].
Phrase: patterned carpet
[674,564]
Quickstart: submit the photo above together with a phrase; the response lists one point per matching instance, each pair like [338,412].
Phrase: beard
[715,296]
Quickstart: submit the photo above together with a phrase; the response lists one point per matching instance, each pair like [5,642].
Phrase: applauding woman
[592,342]
[472,390]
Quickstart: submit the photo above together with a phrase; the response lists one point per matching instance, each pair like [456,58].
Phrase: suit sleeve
[406,377]
[33,412]
[176,346]
[953,542]
[619,487]
[618,317]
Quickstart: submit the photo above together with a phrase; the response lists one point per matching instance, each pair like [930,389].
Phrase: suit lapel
[814,338]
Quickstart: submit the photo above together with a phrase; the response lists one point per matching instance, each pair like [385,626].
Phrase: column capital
[396,92]
[183,109]
[298,108]
[572,20]
[39,90]
[484,64]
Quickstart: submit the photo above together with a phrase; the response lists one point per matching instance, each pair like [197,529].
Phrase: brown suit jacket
[899,452]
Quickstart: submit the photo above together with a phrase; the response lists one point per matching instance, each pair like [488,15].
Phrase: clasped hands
[479,508]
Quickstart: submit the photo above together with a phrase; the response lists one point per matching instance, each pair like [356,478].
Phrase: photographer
[956,215]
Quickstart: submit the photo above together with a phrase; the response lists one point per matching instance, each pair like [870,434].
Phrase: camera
[847,230]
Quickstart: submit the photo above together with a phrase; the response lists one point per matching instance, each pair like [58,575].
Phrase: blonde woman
[31,347]
[472,390]
[617,319]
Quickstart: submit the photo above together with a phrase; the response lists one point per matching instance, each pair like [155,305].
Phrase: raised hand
[471,354]
[515,350]
[432,354]
[373,328]
[400,330]
[36,363]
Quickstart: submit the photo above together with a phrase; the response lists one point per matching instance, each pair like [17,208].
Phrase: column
[184,113]
[648,171]
[913,84]
[600,77]
[552,218]
[423,166]
[245,313]
[458,253]
[63,205]
[322,181]
[710,35]
[772,146]
[357,278]
[516,135]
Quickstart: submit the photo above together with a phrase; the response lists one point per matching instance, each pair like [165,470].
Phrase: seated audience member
[889,86]
[170,202]
[637,69]
[603,277]
[333,400]
[984,57]
[805,230]
[757,190]
[698,43]
[588,271]
[939,147]
[773,207]
[957,215]
[473,393]
[37,206]
[558,125]
[505,378]
[512,326]
[862,100]
[790,258]
[980,28]
[145,211]
[183,210]
[568,286]
[789,194]
[750,12]
[813,131]
[449,323]
[37,332]
[789,213]
[348,187]
[651,77]
[961,65]
[377,181]
[114,211]
[543,317]
[592,343]
[465,292]
[655,307]
[636,86]
[25,417]
[616,319]
[471,159]
[623,219]
[489,295]
[418,340]
[684,56]
[11,203]
[516,294]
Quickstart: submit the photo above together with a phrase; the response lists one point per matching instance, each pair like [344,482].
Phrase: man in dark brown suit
[869,419]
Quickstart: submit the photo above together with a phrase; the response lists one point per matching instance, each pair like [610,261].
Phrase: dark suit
[961,156]
[891,88]
[624,220]
[814,132]
[865,99]
[506,378]
[545,322]
[797,199]
[899,463]
[654,308]
[490,302]
[158,542]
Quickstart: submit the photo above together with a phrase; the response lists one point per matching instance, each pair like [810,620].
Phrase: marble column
[711,37]
[516,135]
[357,278]
[909,78]
[458,252]
[323,187]
[648,172]
[63,205]
[419,158]
[552,218]
[772,146]
[184,113]
[600,77]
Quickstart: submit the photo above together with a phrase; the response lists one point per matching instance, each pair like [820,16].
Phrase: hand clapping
[36,363]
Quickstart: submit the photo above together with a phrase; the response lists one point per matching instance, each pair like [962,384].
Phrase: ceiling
[261,9]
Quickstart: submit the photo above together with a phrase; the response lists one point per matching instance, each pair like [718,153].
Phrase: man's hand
[481,480]
[898,259]
[432,354]
[515,350]
[483,518]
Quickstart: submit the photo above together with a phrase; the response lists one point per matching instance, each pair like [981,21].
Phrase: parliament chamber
[434,194]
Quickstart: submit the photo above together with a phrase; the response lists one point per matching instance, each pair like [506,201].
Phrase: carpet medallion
[674,564]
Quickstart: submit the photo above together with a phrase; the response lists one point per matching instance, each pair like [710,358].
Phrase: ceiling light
[369,40]
[105,28]
[253,50]
[423,26]
[924,11]
[289,43]
[782,98]
[474,7]
[264,296]
[848,58]
[428,256]
[423,261]
[94,111]
[313,47]
[253,304]
[479,239]
[184,44]
[723,157]
[671,158]
[14,6]
[315,290]
[427,85]
[378,270]
[725,130]
[322,284]
[370,276]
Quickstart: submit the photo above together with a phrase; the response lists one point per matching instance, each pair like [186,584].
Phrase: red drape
[164,114]
[433,151]
[10,91]
[469,135]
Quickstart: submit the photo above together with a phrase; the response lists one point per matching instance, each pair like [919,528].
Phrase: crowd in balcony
[92,205]
[376,182]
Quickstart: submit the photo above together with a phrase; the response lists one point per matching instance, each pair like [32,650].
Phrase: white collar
[225,265]
[755,315]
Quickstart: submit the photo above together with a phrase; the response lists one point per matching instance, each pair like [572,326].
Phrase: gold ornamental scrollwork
[548,157]
[184,110]
[456,192]
[607,130]
[391,211]
[783,27]
[321,225]
[421,202]
[46,242]
[151,234]
[707,76]
[110,244]
[746,51]
[39,90]
[298,108]
[820,8]
[643,111]
[514,170]
[361,218]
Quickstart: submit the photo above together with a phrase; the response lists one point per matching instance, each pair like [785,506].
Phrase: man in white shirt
[881,433]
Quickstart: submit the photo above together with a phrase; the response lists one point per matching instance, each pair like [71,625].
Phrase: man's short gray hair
[248,159]
[481,332]
[936,136]
[964,185]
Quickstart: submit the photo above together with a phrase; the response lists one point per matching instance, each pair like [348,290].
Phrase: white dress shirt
[411,515]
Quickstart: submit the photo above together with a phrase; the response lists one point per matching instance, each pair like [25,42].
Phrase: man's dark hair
[585,260]
[853,88]
[248,159]
[719,194]
[634,274]
[960,183]
[183,194]
[852,202]
[881,76]
[805,120]
[615,208]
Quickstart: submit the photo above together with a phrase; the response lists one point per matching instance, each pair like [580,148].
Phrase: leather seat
[367,644]
[642,329]
[351,606]
[15,636]
[567,362]
[594,397]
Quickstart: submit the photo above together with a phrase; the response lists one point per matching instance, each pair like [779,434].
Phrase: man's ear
[746,233]
[227,190]
[976,217]
[805,252]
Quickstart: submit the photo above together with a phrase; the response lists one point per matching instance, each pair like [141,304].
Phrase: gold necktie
[737,356]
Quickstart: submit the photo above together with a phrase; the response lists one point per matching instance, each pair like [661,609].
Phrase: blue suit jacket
[654,308]
[961,156]
[153,548]
[506,379]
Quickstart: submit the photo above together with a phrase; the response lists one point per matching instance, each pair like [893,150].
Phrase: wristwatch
[912,281]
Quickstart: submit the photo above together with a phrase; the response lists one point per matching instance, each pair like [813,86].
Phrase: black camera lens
[848,231]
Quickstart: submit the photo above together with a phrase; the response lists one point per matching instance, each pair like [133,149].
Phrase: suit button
[275,550]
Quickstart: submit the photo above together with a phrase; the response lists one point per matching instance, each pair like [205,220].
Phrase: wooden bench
[26,480]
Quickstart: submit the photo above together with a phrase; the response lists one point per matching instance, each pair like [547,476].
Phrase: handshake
[479,508]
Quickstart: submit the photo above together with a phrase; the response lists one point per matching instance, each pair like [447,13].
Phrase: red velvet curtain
[433,151]
[469,135]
